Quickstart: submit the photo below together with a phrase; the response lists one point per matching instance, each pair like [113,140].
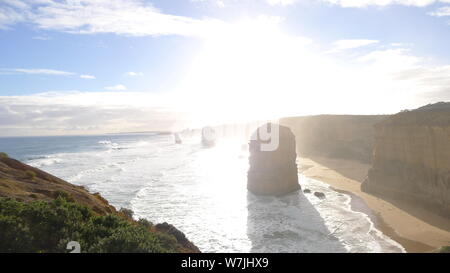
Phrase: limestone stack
[273,172]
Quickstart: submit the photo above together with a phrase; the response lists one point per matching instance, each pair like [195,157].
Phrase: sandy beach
[416,229]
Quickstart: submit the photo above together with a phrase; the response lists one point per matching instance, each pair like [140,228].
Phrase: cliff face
[24,183]
[334,136]
[411,157]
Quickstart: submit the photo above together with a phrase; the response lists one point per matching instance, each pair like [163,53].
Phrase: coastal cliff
[334,136]
[411,158]
[42,213]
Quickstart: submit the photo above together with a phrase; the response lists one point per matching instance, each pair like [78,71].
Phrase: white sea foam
[203,193]
[43,161]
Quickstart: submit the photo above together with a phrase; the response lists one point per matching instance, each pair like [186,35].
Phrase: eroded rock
[273,172]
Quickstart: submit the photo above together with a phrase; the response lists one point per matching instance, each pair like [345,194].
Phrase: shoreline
[414,234]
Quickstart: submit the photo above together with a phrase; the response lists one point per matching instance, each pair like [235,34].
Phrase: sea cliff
[334,136]
[411,157]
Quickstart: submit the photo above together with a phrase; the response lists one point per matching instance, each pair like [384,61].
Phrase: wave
[123,146]
[43,161]
[354,229]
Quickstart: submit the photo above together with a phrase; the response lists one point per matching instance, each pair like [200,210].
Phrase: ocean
[202,191]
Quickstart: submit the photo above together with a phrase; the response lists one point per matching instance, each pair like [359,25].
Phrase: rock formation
[411,157]
[273,172]
[208,137]
[319,194]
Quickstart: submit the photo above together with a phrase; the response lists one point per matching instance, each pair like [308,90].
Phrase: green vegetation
[30,174]
[3,155]
[127,212]
[444,249]
[42,226]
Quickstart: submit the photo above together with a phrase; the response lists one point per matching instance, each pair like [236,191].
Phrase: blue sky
[191,59]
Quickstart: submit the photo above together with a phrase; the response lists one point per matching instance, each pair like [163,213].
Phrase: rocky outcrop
[335,136]
[411,158]
[273,172]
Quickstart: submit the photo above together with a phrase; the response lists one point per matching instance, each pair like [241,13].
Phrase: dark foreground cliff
[42,213]
[334,136]
[411,158]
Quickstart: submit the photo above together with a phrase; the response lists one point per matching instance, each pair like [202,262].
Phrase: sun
[249,70]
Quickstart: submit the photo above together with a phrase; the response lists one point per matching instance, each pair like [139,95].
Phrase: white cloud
[349,3]
[125,17]
[134,74]
[10,14]
[88,77]
[281,2]
[43,38]
[441,12]
[42,71]
[366,3]
[38,71]
[217,3]
[62,113]
[118,87]
[351,44]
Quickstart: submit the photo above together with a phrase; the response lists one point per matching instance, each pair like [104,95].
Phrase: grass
[30,174]
[3,155]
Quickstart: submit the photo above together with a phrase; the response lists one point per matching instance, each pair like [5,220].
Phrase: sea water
[202,191]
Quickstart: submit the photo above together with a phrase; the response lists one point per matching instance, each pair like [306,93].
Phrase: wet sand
[416,229]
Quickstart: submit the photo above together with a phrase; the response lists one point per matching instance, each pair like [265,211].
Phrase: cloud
[380,81]
[42,71]
[134,74]
[441,12]
[118,87]
[348,3]
[88,77]
[366,3]
[42,38]
[281,2]
[351,44]
[38,71]
[62,113]
[123,17]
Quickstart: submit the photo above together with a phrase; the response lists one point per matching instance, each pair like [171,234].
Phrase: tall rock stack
[273,172]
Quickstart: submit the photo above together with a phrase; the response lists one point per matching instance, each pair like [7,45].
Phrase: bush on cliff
[444,249]
[48,226]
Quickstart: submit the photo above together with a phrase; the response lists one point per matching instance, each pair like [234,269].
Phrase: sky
[70,67]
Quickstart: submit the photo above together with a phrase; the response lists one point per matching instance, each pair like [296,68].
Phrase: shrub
[3,155]
[62,194]
[48,226]
[145,223]
[30,174]
[444,249]
[127,212]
